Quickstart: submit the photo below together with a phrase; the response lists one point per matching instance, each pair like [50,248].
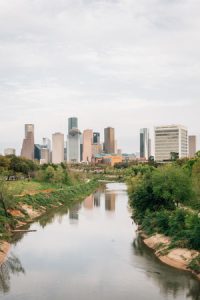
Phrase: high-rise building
[46,143]
[171,141]
[87,145]
[28,142]
[9,151]
[109,140]
[144,143]
[57,148]
[150,150]
[96,138]
[45,156]
[37,152]
[74,146]
[192,145]
[72,123]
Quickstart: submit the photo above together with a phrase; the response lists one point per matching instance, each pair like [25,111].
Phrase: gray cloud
[124,63]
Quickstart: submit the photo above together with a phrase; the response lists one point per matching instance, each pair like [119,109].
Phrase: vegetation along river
[90,251]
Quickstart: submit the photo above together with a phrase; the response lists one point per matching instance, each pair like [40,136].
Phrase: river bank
[30,207]
[179,258]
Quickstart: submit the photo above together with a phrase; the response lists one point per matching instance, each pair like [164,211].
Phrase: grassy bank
[27,207]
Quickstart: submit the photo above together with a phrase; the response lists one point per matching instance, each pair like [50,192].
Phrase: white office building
[170,140]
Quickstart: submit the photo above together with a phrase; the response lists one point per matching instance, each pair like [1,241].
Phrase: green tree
[172,184]
[6,196]
[49,174]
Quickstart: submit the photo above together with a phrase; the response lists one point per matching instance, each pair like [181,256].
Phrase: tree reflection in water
[11,266]
[171,281]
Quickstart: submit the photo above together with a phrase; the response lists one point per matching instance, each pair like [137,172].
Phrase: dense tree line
[166,199]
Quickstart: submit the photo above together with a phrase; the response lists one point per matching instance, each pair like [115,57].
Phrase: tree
[172,184]
[49,174]
[6,196]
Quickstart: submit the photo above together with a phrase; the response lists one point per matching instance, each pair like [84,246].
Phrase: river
[90,252]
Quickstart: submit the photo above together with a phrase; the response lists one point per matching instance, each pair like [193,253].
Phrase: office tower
[46,143]
[45,156]
[192,145]
[57,148]
[87,145]
[72,123]
[109,140]
[96,138]
[37,152]
[9,151]
[144,143]
[74,146]
[28,142]
[65,152]
[171,140]
[149,146]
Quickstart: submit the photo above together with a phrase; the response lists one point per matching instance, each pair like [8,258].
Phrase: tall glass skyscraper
[144,143]
[72,123]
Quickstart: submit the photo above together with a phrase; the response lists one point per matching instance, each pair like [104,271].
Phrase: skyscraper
[109,140]
[28,142]
[87,145]
[192,145]
[171,140]
[74,146]
[96,138]
[72,123]
[57,148]
[144,143]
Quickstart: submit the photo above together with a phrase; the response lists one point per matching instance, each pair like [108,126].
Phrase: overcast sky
[121,63]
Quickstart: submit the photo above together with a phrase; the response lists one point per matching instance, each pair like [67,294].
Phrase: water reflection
[110,201]
[11,266]
[98,256]
[88,203]
[97,199]
[170,281]
[73,213]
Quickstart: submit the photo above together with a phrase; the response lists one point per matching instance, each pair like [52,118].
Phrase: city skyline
[125,64]
[102,134]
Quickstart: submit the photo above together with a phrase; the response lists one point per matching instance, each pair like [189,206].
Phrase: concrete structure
[74,146]
[9,151]
[87,145]
[144,143]
[170,140]
[28,142]
[57,148]
[192,145]
[72,123]
[109,140]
